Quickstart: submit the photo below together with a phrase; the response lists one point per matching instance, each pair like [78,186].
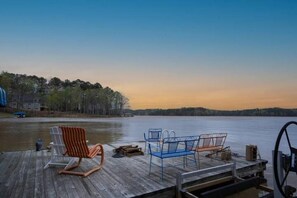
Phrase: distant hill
[200,111]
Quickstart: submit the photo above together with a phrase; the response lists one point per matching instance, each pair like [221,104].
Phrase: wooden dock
[22,175]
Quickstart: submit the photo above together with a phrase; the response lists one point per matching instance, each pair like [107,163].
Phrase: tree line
[200,111]
[76,96]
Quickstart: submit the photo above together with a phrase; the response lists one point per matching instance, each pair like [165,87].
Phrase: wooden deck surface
[22,175]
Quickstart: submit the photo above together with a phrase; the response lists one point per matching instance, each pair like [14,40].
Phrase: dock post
[280,174]
[178,185]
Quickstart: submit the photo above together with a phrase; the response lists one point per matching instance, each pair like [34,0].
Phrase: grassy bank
[5,115]
[9,112]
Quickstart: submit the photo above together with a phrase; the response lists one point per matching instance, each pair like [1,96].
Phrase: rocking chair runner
[76,146]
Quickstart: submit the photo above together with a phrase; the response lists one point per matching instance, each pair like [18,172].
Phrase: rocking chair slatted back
[75,142]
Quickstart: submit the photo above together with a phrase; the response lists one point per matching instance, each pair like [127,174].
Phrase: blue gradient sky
[231,54]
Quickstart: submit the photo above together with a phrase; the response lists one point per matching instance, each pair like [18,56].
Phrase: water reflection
[22,136]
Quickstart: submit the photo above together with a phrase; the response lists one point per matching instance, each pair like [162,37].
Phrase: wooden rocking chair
[76,146]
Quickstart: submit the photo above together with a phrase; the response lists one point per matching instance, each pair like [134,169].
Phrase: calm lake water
[21,134]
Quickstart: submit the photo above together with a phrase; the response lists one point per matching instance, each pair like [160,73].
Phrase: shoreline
[57,119]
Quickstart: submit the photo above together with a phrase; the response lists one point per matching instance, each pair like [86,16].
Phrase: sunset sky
[233,54]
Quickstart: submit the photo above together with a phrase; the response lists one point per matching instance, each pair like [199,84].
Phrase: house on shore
[28,102]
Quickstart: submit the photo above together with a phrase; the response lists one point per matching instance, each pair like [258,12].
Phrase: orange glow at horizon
[220,97]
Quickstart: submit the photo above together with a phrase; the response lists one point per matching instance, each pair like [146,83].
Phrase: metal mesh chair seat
[175,147]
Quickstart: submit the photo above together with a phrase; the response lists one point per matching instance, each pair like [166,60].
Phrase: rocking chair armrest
[100,146]
[96,149]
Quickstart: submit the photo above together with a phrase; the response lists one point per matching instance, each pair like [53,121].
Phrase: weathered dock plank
[22,175]
[30,181]
[39,190]
[12,174]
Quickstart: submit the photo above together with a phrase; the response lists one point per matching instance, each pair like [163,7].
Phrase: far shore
[56,119]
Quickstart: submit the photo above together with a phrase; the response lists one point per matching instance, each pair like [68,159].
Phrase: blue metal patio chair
[175,147]
[154,135]
[168,133]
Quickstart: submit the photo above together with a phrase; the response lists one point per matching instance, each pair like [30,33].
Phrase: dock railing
[182,176]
